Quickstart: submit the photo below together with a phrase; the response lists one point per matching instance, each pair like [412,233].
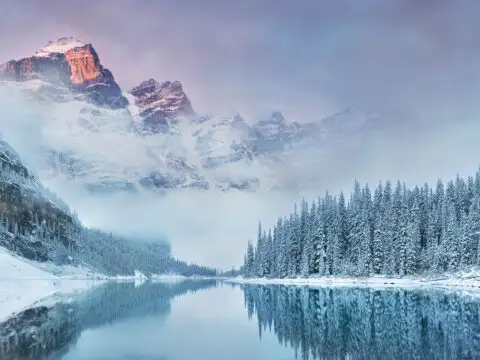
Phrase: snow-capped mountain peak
[61,45]
[71,64]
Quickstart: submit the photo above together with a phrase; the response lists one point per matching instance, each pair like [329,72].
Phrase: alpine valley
[105,138]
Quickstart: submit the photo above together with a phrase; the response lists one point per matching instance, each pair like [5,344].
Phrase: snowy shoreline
[25,283]
[470,281]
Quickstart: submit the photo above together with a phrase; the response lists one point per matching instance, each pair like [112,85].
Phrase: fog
[212,227]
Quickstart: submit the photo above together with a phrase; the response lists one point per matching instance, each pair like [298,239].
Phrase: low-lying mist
[212,227]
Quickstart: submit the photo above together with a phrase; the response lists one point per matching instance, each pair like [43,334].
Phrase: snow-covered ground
[24,282]
[171,278]
[466,280]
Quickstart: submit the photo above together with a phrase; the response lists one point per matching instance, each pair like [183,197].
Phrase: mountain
[34,222]
[37,225]
[72,63]
[158,102]
[150,137]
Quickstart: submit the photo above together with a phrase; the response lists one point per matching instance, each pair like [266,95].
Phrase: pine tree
[451,237]
[379,226]
[365,255]
[268,260]
[412,245]
[250,263]
[470,234]
[282,259]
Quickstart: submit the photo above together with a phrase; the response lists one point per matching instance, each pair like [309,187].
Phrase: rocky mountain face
[73,64]
[150,137]
[160,104]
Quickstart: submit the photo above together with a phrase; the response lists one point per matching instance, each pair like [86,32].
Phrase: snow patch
[59,46]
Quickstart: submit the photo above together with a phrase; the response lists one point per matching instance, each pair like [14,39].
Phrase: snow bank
[470,280]
[168,277]
[23,283]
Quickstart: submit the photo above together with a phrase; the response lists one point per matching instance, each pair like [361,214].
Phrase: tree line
[393,230]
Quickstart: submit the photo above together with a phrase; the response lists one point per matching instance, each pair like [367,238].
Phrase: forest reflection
[359,323]
[49,332]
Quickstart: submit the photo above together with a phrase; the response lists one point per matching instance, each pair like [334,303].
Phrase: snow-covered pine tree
[355,234]
[268,258]
[400,232]
[250,263]
[294,244]
[283,251]
[412,244]
[320,255]
[378,251]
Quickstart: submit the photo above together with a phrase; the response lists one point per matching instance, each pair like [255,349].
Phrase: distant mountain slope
[37,225]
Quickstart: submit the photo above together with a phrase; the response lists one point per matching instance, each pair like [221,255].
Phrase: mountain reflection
[48,332]
[353,323]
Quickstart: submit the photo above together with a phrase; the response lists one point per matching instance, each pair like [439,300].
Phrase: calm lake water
[209,320]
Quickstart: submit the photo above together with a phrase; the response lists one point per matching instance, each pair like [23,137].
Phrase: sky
[305,58]
[409,60]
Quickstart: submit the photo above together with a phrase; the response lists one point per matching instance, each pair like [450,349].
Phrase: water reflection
[348,323]
[48,332]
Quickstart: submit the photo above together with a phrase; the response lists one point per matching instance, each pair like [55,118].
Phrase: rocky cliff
[161,104]
[72,63]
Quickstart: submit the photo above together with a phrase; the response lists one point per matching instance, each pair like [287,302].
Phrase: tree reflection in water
[359,323]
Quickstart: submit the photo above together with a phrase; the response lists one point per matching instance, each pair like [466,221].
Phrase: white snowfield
[24,283]
[464,280]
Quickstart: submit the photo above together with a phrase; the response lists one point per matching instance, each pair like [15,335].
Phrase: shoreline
[26,283]
[466,282]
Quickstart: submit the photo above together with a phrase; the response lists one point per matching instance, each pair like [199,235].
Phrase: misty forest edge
[395,232]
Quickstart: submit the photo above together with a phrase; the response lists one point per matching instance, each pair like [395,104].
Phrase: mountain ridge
[155,125]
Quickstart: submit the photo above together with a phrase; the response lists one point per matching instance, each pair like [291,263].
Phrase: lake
[209,320]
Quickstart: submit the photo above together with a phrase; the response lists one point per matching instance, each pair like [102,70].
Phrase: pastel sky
[305,58]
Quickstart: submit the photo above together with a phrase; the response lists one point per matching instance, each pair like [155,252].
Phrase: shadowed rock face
[73,64]
[54,68]
[161,102]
